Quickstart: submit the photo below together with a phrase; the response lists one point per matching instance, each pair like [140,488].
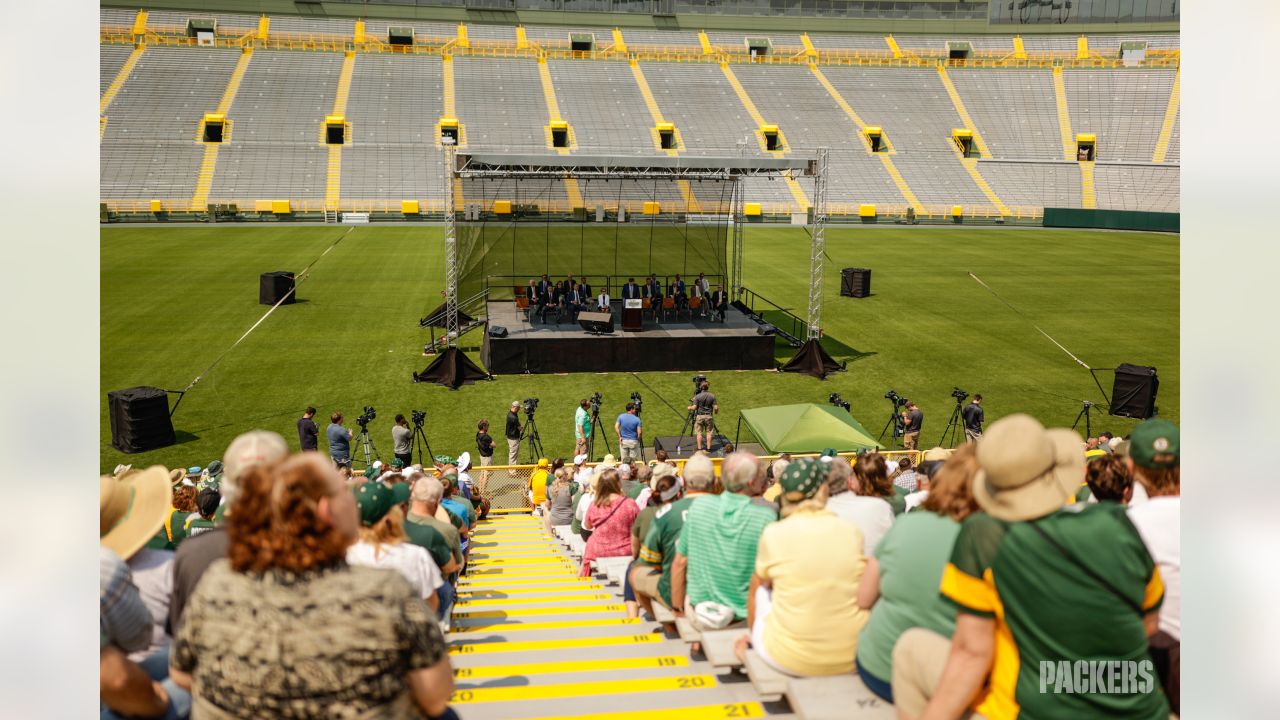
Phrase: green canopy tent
[807,428]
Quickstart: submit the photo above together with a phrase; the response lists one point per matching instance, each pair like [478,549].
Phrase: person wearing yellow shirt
[538,486]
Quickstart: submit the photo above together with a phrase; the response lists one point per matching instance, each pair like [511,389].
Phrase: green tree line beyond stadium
[174,298]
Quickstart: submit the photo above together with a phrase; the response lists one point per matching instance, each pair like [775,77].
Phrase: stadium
[446,210]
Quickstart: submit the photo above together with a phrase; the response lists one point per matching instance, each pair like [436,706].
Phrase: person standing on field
[513,433]
[581,427]
[630,430]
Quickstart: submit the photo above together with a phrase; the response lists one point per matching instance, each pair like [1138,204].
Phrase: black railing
[763,310]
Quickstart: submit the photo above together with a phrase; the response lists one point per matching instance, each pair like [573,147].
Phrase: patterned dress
[335,642]
[610,530]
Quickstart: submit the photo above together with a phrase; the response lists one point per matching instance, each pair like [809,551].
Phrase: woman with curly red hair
[284,627]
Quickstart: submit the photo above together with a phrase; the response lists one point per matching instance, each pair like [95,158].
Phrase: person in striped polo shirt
[716,553]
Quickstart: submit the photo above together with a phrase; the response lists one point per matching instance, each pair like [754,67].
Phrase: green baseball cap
[1154,444]
[375,500]
[801,479]
[397,463]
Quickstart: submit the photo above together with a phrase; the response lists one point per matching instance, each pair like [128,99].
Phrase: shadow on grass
[184,437]
[837,349]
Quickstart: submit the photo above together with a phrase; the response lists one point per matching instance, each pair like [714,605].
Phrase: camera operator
[973,419]
[513,433]
[704,408]
[581,427]
[402,441]
[912,419]
[630,432]
[339,439]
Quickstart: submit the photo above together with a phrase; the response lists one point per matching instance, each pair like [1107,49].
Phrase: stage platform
[696,344]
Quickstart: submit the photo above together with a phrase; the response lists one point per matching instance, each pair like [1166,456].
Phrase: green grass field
[174,298]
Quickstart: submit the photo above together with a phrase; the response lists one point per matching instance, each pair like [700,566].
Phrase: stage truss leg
[818,243]
[737,217]
[450,247]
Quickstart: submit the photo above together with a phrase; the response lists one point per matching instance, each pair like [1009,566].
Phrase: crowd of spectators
[959,584]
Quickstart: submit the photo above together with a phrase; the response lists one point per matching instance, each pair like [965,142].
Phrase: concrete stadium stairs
[531,639]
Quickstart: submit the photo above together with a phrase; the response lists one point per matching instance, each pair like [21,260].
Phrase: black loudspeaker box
[497,331]
[855,282]
[275,285]
[1133,394]
[596,322]
[140,419]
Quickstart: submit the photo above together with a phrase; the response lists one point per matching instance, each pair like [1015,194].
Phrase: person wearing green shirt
[716,553]
[651,574]
[1054,604]
[900,583]
[581,427]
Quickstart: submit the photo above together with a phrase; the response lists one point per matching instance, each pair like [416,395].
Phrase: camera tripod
[420,435]
[1085,409]
[530,433]
[366,445]
[895,422]
[597,425]
[955,427]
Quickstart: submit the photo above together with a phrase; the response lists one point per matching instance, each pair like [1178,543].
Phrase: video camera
[897,400]
[596,399]
[697,382]
[367,416]
[419,418]
[835,399]
[635,398]
[530,406]
[959,395]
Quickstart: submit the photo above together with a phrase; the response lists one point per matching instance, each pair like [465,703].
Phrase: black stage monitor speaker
[1133,394]
[596,322]
[855,282]
[497,331]
[275,285]
[140,419]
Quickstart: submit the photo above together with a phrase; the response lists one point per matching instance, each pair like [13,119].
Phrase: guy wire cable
[298,280]
[649,387]
[1082,363]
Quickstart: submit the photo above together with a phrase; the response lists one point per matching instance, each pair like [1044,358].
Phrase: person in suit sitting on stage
[544,285]
[584,289]
[676,289]
[719,302]
[631,291]
[574,303]
[602,301]
[549,301]
[653,290]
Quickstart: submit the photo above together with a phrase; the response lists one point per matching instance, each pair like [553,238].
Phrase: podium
[632,315]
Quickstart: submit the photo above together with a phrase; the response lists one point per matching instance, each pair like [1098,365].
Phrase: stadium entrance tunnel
[772,138]
[1086,146]
[875,137]
[758,46]
[335,130]
[214,130]
[559,133]
[582,42]
[666,135]
[963,138]
[449,129]
[959,51]
[400,36]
